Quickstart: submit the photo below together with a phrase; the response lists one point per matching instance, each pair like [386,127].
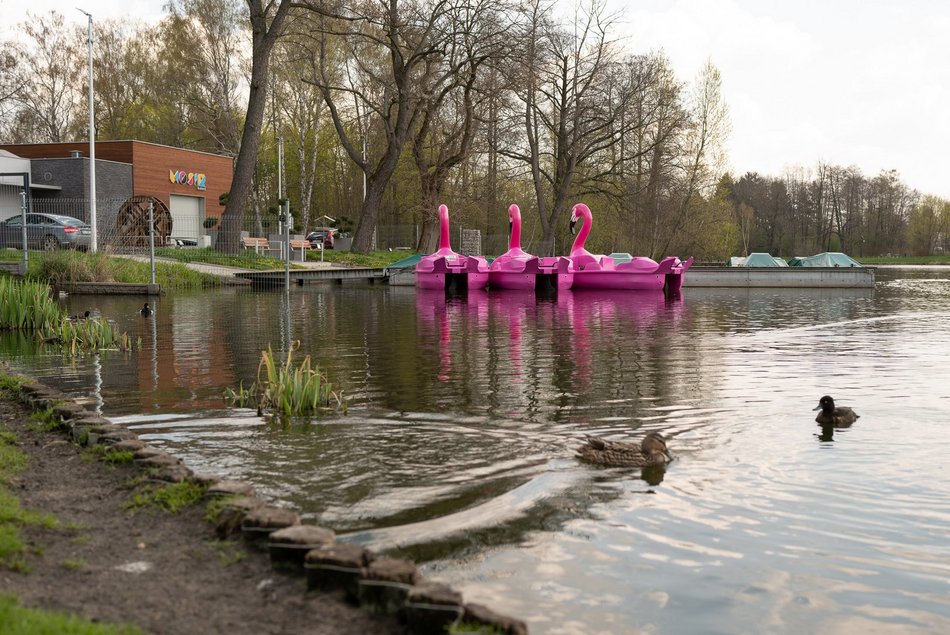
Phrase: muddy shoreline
[164,572]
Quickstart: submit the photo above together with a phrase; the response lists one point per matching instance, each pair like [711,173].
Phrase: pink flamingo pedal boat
[516,269]
[446,269]
[603,272]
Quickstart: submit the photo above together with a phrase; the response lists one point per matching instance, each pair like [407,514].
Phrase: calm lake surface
[464,413]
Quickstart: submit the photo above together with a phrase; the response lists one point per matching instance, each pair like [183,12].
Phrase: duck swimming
[651,451]
[831,415]
[146,310]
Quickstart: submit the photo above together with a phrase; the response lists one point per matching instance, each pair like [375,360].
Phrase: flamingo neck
[578,247]
[444,244]
[514,243]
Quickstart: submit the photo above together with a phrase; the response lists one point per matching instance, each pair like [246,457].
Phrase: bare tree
[569,110]
[48,73]
[448,121]
[397,55]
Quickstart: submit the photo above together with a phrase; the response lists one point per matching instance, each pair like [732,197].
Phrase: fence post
[286,203]
[26,257]
[151,241]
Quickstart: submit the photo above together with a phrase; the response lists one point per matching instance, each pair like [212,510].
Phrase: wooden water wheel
[132,221]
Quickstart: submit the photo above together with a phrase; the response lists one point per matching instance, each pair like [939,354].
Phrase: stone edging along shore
[378,584]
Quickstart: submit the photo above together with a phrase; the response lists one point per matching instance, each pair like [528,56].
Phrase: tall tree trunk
[264,37]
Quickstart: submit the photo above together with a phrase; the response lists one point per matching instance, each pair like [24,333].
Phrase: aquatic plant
[90,334]
[27,306]
[287,389]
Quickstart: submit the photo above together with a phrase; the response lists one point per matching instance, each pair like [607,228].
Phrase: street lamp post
[93,245]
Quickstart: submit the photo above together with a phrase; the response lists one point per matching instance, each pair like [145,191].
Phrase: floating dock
[785,277]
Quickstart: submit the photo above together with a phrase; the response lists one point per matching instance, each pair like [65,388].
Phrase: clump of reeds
[63,265]
[287,389]
[89,334]
[27,306]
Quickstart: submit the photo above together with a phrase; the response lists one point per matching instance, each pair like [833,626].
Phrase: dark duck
[146,310]
[650,451]
[832,415]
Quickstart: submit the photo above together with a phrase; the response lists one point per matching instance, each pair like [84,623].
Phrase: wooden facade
[157,170]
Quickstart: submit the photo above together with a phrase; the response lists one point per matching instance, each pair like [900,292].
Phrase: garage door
[186,216]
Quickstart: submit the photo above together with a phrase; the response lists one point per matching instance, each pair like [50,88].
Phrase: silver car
[46,231]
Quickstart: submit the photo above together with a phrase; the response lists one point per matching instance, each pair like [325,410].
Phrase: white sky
[851,82]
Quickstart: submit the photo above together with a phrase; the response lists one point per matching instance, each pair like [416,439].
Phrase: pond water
[457,450]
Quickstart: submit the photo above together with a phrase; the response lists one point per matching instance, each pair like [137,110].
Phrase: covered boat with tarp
[827,259]
[757,259]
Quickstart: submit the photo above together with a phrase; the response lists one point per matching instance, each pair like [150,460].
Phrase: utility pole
[93,245]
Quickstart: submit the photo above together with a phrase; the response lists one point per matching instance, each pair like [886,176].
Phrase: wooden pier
[275,277]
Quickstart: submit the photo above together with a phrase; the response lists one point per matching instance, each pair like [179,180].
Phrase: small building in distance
[189,183]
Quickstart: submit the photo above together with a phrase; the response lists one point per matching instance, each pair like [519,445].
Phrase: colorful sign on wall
[188,178]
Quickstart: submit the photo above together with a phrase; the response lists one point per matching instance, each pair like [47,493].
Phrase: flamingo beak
[510,225]
[573,224]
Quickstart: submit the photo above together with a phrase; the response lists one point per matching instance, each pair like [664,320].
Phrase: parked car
[321,237]
[46,231]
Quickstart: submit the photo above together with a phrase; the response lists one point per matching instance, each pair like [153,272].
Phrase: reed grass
[287,389]
[27,306]
[63,266]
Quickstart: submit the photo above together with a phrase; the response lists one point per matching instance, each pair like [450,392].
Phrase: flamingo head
[573,219]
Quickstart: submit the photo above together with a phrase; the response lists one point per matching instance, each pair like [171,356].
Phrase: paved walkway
[223,271]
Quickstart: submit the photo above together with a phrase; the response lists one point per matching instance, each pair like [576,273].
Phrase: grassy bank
[904,260]
[247,259]
[374,259]
[14,619]
[57,267]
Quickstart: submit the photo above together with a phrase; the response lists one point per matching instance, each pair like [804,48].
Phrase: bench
[257,244]
[303,245]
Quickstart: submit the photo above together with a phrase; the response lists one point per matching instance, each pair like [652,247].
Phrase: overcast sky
[852,82]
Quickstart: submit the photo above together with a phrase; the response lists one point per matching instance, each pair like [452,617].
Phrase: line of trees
[388,108]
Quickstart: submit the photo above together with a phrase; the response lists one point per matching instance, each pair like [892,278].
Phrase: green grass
[12,516]
[171,498]
[108,455]
[374,259]
[247,259]
[16,620]
[11,386]
[45,421]
[74,565]
[904,260]
[228,552]
[57,267]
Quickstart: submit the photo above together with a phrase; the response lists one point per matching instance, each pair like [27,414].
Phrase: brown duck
[831,415]
[651,451]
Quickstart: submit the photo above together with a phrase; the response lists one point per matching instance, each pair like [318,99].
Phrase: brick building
[188,182]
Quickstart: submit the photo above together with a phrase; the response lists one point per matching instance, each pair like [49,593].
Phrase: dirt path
[164,573]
